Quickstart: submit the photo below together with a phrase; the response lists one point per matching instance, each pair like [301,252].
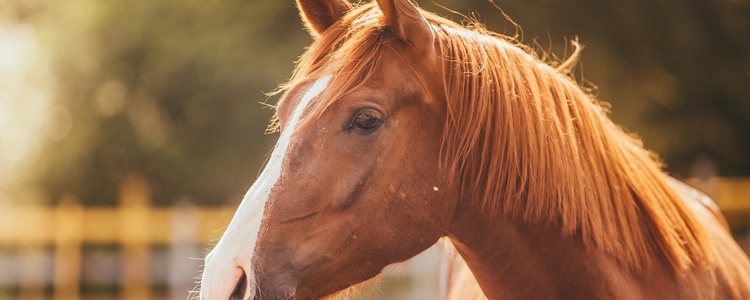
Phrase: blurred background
[130,129]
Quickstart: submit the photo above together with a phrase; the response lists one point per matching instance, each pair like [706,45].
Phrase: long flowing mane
[527,142]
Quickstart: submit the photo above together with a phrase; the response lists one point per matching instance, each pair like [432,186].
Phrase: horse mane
[527,142]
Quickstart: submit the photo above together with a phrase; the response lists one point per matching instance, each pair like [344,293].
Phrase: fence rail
[38,225]
[732,194]
[135,226]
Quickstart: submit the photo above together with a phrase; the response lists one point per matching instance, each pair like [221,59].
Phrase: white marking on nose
[232,255]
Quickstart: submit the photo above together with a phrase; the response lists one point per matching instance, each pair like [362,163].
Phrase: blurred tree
[170,89]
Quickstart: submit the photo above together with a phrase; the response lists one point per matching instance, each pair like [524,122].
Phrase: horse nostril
[239,289]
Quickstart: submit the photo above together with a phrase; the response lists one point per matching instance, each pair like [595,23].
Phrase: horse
[399,127]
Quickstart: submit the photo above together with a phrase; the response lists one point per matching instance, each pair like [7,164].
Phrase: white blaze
[226,262]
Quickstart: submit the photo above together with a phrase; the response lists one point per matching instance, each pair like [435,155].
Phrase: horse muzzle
[226,278]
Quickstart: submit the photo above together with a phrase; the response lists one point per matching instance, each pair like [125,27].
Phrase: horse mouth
[239,290]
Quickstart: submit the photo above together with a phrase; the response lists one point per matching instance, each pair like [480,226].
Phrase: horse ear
[318,15]
[403,17]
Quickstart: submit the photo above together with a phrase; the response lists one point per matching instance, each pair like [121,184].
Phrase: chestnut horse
[400,127]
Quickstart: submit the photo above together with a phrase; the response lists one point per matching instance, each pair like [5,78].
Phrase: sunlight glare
[26,103]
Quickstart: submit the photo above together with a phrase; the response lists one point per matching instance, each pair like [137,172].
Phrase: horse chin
[263,295]
[277,292]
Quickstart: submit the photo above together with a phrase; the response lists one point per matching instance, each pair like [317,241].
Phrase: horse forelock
[525,140]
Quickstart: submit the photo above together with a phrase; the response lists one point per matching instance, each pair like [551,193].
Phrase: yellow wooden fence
[135,225]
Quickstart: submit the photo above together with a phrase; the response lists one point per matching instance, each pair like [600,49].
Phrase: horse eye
[366,120]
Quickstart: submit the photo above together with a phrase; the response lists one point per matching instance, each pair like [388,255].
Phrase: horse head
[353,183]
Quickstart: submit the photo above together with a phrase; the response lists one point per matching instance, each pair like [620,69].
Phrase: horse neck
[519,260]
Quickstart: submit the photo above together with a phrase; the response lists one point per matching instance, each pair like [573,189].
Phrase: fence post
[135,237]
[67,260]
